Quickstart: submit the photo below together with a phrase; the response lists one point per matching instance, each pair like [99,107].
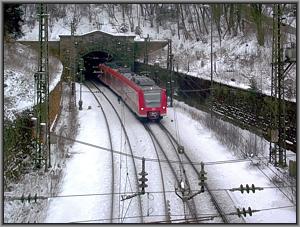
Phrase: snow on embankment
[20,64]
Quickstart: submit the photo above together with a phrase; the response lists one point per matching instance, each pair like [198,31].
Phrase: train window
[152,99]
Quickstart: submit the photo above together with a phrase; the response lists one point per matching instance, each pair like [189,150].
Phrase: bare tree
[177,17]
[217,13]
[187,35]
[198,18]
[257,17]
[203,13]
[130,17]
[142,9]
[191,20]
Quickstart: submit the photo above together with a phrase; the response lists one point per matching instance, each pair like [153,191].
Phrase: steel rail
[112,155]
[214,200]
[168,161]
[129,145]
[171,140]
[162,177]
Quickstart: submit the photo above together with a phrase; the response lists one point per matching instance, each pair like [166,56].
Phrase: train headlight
[164,107]
[142,108]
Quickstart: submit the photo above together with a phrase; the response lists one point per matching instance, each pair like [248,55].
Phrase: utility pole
[68,68]
[211,60]
[41,122]
[74,60]
[169,52]
[170,68]
[81,68]
[171,79]
[278,114]
[73,56]
[142,184]
[146,56]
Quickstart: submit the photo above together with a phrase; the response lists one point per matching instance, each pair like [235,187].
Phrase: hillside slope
[238,60]
[20,64]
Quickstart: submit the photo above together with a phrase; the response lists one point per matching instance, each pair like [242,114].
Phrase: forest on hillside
[192,20]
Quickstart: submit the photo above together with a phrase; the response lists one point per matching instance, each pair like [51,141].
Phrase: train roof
[143,82]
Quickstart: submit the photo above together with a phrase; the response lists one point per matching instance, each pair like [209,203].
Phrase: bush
[17,146]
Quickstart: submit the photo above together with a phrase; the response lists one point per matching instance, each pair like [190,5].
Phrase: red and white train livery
[140,93]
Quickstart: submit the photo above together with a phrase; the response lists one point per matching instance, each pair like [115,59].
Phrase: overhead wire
[129,146]
[204,215]
[206,163]
[153,159]
[261,170]
[183,90]
[16,198]
[160,167]
[126,164]
[125,200]
[156,160]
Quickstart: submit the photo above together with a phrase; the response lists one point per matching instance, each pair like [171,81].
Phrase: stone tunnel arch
[123,48]
[120,47]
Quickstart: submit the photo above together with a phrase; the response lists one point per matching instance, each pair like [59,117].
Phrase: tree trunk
[142,10]
[152,15]
[123,13]
[225,8]
[217,17]
[138,15]
[177,17]
[198,18]
[203,12]
[158,17]
[185,32]
[238,19]
[257,16]
[130,18]
[231,16]
[192,22]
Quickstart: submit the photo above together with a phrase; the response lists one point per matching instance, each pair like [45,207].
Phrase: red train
[140,93]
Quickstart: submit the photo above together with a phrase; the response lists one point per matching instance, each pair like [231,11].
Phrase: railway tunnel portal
[98,47]
[93,59]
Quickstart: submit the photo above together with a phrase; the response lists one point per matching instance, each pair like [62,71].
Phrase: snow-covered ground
[89,170]
[20,65]
[85,189]
[201,144]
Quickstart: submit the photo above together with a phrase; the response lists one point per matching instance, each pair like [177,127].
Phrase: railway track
[191,205]
[167,215]
[112,155]
[220,201]
[222,208]
[129,145]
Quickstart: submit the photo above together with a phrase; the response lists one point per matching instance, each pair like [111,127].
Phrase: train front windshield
[152,99]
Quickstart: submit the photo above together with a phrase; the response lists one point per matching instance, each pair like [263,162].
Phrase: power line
[36,197]
[153,159]
[156,160]
[207,215]
[129,217]
[212,216]
[148,159]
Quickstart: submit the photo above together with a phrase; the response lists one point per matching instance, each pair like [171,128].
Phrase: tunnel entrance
[92,60]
